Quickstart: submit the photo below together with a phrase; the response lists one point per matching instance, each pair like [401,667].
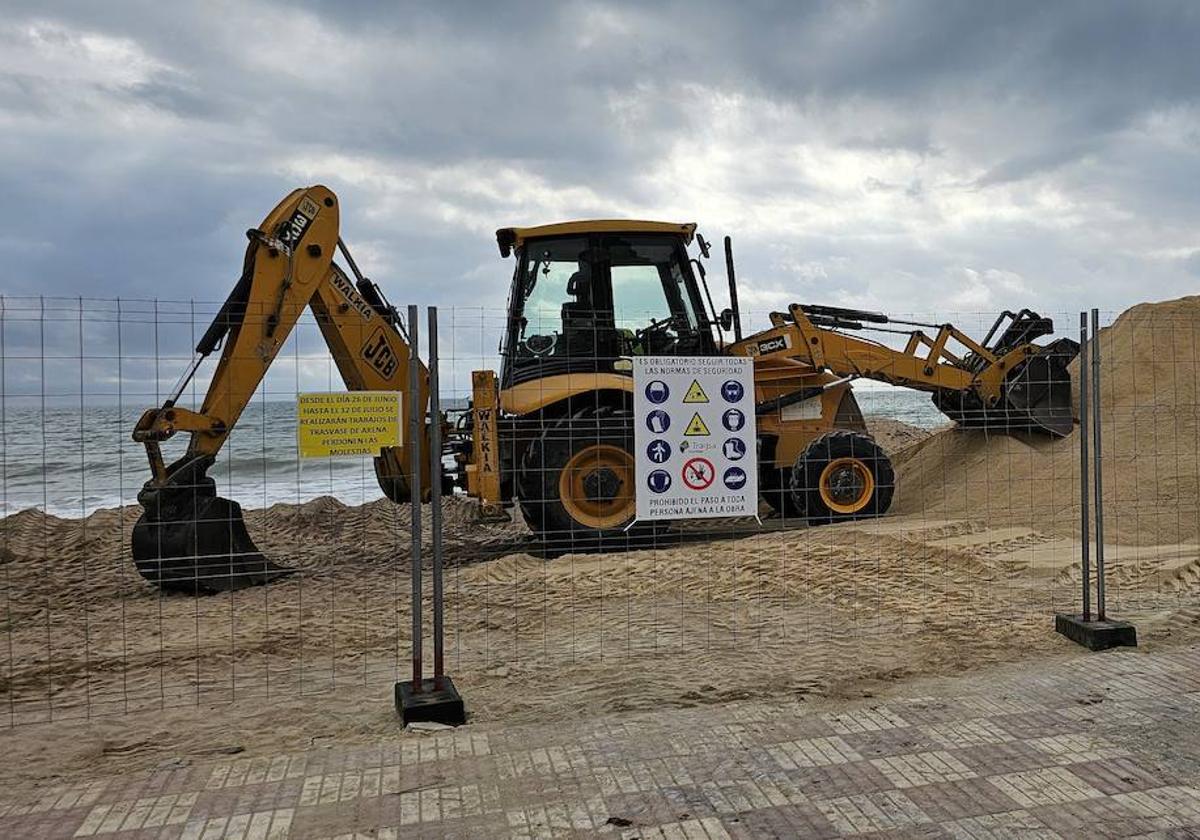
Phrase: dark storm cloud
[903,155]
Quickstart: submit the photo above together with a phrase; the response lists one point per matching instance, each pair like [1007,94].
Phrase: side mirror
[726,319]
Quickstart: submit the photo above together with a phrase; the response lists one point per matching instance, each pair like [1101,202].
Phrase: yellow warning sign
[344,424]
[696,427]
[695,394]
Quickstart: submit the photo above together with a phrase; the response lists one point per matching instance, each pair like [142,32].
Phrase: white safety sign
[694,437]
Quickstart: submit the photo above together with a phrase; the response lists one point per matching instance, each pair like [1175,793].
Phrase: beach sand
[980,550]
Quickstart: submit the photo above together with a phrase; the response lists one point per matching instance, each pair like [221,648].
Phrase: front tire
[576,482]
[842,476]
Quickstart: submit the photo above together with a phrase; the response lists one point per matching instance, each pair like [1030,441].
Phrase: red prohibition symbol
[698,473]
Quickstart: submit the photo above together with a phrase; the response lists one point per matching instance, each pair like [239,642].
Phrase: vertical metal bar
[1096,458]
[1085,489]
[435,496]
[414,488]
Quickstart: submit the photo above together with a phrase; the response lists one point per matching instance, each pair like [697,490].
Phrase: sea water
[70,461]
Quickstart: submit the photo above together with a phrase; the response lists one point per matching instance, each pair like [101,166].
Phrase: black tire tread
[828,447]
[537,480]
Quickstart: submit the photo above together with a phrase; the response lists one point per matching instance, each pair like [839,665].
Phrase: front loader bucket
[1039,391]
[1036,396]
[191,540]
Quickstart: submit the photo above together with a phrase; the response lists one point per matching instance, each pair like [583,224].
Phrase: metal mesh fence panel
[551,598]
[84,633]
[971,558]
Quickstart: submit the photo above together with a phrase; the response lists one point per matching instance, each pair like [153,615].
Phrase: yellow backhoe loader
[552,432]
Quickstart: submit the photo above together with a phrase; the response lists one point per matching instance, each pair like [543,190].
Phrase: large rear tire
[576,483]
[842,476]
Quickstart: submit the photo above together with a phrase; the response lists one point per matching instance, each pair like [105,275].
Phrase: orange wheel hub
[596,486]
[846,485]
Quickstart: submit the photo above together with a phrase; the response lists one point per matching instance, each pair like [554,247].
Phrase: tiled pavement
[1096,746]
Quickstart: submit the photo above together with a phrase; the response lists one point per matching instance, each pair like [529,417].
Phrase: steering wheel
[655,326]
[540,345]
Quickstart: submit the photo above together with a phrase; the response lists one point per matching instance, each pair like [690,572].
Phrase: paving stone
[1096,818]
[973,732]
[873,812]
[905,771]
[1086,746]
[816,752]
[1009,757]
[958,800]
[789,821]
[839,780]
[1119,775]
[899,741]
[1012,825]
[1047,786]
[1043,723]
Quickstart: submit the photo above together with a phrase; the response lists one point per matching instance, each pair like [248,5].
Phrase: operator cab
[587,295]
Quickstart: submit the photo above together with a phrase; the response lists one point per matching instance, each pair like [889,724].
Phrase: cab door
[657,309]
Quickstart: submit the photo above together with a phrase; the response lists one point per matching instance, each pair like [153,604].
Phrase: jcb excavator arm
[1009,382]
[189,538]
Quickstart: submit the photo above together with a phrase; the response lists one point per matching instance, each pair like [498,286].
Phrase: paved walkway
[1099,745]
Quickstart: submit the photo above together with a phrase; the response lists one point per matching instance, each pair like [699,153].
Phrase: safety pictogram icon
[735,478]
[695,393]
[658,451]
[734,449]
[659,481]
[696,427]
[657,392]
[658,421]
[698,473]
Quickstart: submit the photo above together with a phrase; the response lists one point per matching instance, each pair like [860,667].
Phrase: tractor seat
[586,329]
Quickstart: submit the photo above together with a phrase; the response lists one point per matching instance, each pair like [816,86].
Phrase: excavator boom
[189,538]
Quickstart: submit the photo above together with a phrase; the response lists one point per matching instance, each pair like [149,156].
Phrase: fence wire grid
[977,550]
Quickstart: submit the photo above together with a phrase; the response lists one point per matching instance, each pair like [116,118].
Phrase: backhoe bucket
[191,540]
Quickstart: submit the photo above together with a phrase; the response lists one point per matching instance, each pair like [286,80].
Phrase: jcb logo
[293,230]
[770,345]
[379,353]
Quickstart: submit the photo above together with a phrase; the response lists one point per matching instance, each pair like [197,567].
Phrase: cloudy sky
[908,156]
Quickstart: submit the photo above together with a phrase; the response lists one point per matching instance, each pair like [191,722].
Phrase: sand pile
[1150,373]
[894,436]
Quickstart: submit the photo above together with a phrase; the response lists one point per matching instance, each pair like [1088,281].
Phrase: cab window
[556,278]
[652,305]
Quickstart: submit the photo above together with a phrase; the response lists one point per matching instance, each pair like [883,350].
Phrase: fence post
[1101,633]
[435,700]
[1085,489]
[435,500]
[415,424]
[1095,347]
